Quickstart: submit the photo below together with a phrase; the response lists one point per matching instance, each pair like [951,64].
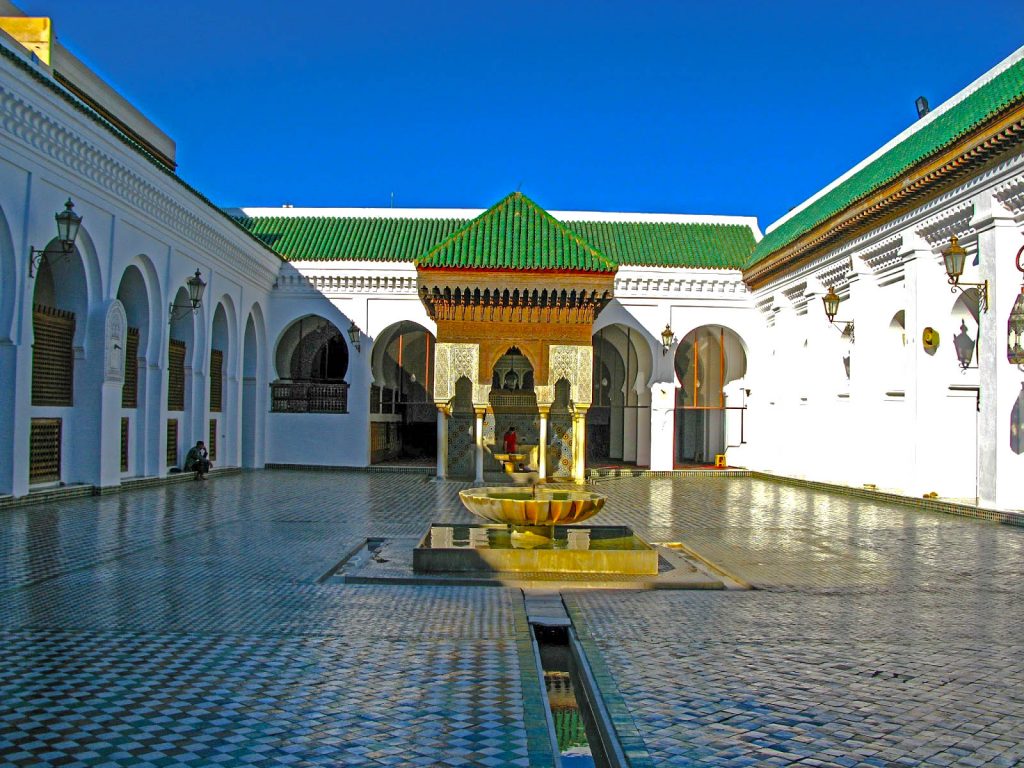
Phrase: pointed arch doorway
[710,365]
[403,417]
[619,419]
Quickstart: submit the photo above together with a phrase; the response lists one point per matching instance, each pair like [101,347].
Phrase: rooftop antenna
[922,107]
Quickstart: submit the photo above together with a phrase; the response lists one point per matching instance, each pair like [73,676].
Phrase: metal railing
[308,397]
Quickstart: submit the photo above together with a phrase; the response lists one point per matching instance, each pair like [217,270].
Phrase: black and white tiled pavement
[185,626]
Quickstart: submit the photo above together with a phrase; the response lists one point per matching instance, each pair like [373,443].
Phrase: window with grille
[44,451]
[53,360]
[130,388]
[124,443]
[216,380]
[211,446]
[176,376]
[172,442]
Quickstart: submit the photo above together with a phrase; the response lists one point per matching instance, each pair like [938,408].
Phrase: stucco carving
[115,332]
[451,362]
[545,394]
[1010,194]
[575,364]
[955,220]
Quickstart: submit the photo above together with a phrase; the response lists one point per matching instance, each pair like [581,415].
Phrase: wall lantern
[1015,325]
[667,337]
[68,223]
[353,335]
[831,301]
[196,286]
[954,259]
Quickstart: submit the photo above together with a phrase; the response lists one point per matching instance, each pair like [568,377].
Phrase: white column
[110,435]
[663,415]
[1000,471]
[630,433]
[151,449]
[579,443]
[480,443]
[643,429]
[542,444]
[442,441]
[15,417]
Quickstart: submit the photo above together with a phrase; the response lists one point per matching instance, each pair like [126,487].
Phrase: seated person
[197,460]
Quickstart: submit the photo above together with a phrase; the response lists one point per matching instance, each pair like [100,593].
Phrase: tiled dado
[1005,517]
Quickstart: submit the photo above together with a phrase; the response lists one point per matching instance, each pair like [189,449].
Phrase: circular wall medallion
[930,338]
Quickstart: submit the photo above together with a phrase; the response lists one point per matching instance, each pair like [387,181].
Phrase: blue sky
[724,108]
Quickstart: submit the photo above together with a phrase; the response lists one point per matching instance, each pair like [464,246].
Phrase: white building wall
[134,214]
[374,296]
[906,419]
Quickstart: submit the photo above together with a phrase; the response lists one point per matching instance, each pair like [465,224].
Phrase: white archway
[403,417]
[710,367]
[618,421]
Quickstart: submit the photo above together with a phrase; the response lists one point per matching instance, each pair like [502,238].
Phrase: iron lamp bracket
[982,287]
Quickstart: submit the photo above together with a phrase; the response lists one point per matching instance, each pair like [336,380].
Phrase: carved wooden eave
[924,182]
[544,297]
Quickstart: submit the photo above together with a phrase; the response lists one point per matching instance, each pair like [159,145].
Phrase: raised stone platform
[582,549]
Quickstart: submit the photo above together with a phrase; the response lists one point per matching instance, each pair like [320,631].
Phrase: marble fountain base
[559,549]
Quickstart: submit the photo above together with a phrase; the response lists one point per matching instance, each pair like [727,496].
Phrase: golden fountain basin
[544,506]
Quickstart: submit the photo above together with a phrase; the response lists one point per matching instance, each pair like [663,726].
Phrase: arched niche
[311,361]
[512,372]
[312,348]
[60,305]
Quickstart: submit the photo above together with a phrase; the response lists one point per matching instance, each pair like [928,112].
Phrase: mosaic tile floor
[185,625]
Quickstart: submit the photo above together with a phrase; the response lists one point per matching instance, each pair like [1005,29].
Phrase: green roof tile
[656,244]
[349,238]
[516,234]
[669,244]
[1002,91]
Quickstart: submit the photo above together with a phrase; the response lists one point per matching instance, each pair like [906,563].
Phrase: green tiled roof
[1002,91]
[669,244]
[332,238]
[658,244]
[517,234]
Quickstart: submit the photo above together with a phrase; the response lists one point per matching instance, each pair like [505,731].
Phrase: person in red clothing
[510,440]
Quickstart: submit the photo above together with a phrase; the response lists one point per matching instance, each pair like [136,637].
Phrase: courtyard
[191,624]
